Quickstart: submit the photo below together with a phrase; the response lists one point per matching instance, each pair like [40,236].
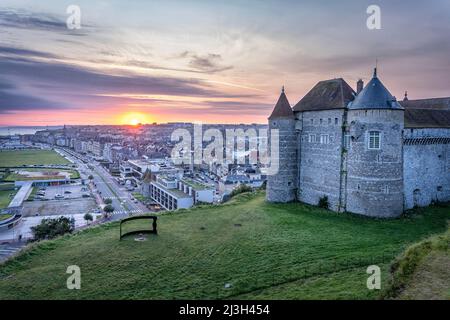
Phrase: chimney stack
[359,86]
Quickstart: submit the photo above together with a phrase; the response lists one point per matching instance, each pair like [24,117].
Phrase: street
[106,187]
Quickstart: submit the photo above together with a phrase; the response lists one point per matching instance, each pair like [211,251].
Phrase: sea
[6,131]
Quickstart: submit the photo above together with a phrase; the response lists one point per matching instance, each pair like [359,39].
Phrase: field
[244,249]
[5,199]
[18,158]
[40,174]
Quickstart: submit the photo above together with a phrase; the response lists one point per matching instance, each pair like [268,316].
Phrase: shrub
[240,189]
[51,228]
[323,202]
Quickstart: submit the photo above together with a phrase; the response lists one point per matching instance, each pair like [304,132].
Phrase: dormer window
[374,140]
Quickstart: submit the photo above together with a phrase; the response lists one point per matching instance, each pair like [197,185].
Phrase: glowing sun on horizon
[135,118]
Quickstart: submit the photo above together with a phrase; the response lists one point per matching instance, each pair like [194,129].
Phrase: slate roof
[325,95]
[282,108]
[433,103]
[427,118]
[375,96]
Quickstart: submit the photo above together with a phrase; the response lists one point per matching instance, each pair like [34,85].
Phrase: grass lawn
[423,270]
[18,177]
[17,158]
[5,199]
[280,251]
[139,196]
[5,216]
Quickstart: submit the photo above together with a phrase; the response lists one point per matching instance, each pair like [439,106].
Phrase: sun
[134,118]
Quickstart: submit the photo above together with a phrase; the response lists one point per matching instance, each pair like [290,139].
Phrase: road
[106,186]
[8,249]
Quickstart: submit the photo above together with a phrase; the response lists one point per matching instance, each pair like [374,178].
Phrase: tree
[91,177]
[51,228]
[88,217]
[108,209]
[107,201]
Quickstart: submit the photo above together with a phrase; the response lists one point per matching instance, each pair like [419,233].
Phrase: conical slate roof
[282,108]
[374,96]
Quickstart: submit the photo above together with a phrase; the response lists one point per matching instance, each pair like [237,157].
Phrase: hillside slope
[423,270]
[260,250]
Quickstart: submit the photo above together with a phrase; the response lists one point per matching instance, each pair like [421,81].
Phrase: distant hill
[247,248]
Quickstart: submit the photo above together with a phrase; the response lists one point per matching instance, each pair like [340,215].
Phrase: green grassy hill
[280,251]
[423,270]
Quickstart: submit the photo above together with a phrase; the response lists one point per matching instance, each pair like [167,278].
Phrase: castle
[365,151]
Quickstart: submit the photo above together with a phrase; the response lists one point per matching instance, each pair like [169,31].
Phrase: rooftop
[173,192]
[21,195]
[196,185]
[375,96]
[427,118]
[327,94]
[282,108]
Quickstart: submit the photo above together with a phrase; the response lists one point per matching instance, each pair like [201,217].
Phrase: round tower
[375,157]
[282,181]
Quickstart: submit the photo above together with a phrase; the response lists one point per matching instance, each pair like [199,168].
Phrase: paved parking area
[58,207]
[69,191]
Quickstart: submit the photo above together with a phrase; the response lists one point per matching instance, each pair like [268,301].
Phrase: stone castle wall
[282,186]
[426,167]
[375,177]
[320,143]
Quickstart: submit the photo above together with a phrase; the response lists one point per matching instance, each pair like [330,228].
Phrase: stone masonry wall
[282,186]
[426,167]
[320,143]
[375,177]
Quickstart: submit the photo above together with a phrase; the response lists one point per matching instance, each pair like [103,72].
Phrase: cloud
[12,100]
[23,19]
[25,52]
[209,63]
[74,86]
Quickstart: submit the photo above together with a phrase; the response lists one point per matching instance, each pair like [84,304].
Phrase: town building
[174,193]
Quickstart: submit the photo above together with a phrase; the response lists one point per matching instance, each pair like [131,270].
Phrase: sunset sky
[146,61]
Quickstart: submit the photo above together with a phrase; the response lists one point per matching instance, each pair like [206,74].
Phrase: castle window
[335,120]
[312,121]
[320,121]
[439,188]
[324,138]
[329,120]
[386,189]
[347,141]
[374,140]
[312,138]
